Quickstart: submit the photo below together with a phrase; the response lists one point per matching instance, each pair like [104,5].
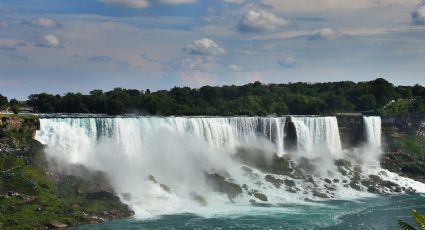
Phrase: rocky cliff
[403,141]
[404,146]
[33,196]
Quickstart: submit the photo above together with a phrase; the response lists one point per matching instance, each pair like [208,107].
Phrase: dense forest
[250,99]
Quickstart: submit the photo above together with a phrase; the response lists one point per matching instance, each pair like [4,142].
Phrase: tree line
[250,99]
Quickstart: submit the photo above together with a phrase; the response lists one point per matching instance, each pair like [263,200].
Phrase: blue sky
[57,46]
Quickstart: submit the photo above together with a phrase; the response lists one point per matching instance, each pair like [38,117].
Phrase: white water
[178,151]
[317,136]
[373,147]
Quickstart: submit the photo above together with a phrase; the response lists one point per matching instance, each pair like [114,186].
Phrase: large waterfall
[163,165]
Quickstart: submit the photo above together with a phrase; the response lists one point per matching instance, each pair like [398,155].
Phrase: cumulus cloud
[324,33]
[287,62]
[49,41]
[260,21]
[139,4]
[235,68]
[204,47]
[418,16]
[42,22]
[11,44]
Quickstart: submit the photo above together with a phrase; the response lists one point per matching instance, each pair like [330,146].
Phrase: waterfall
[317,136]
[372,127]
[218,132]
[372,149]
[182,153]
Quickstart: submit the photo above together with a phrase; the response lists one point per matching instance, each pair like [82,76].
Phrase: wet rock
[289,183]
[330,188]
[383,173]
[344,181]
[152,178]
[244,186]
[198,198]
[261,196]
[375,179]
[263,161]
[355,186]
[328,181]
[320,195]
[291,190]
[373,189]
[343,163]
[220,184]
[336,181]
[165,187]
[366,183]
[275,181]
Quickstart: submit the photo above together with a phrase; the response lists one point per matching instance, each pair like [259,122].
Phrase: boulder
[261,196]
[320,195]
[220,184]
[275,181]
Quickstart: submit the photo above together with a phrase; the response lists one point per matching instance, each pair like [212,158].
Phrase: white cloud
[331,5]
[233,1]
[49,40]
[260,21]
[235,68]
[325,33]
[197,63]
[145,3]
[418,16]
[42,22]
[198,78]
[287,62]
[204,47]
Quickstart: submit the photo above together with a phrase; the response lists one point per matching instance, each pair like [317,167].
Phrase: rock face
[396,157]
[42,196]
[351,130]
[221,184]
[24,124]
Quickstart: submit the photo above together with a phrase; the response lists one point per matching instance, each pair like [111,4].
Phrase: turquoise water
[380,212]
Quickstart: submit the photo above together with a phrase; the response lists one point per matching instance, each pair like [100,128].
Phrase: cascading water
[317,136]
[184,154]
[373,145]
[372,127]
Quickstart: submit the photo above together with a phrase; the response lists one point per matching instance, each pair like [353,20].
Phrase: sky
[59,46]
